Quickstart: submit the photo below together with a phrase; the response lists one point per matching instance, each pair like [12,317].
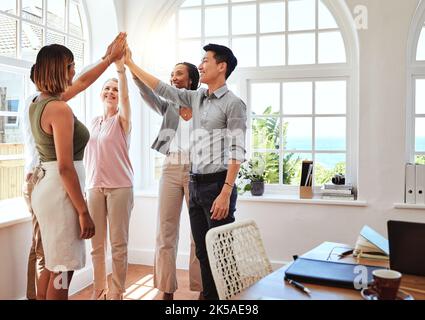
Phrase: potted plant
[252,176]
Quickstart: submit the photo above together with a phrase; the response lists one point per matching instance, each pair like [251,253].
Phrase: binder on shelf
[306,187]
[420,184]
[410,184]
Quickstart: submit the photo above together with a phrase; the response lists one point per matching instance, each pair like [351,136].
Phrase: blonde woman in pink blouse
[110,185]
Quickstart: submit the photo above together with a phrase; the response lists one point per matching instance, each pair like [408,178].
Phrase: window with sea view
[296,121]
[416,109]
[420,121]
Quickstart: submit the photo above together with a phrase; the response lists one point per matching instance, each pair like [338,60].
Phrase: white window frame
[415,70]
[12,114]
[19,63]
[312,116]
[46,27]
[319,72]
[347,71]
[21,68]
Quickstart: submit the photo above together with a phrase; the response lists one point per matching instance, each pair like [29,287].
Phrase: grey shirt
[219,123]
[168,110]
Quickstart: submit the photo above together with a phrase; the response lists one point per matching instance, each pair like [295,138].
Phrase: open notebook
[371,245]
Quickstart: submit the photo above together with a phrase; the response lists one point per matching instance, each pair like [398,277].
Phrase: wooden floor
[140,286]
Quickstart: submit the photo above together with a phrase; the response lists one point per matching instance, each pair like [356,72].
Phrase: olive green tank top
[45,143]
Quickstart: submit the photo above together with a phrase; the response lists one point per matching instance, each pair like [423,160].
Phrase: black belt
[208,178]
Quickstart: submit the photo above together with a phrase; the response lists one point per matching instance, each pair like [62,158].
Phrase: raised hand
[128,57]
[120,64]
[118,47]
[109,49]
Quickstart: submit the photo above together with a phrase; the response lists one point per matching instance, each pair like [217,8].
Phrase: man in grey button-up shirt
[219,126]
[217,148]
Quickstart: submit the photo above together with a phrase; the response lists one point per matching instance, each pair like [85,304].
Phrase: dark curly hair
[193,74]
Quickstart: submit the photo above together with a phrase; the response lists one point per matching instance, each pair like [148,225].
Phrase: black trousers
[202,196]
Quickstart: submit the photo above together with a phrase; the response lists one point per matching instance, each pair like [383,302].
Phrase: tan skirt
[64,250]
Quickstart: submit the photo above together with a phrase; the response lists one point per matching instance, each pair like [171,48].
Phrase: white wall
[103,28]
[15,243]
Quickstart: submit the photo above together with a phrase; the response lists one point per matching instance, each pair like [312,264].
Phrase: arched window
[261,33]
[25,27]
[296,73]
[416,103]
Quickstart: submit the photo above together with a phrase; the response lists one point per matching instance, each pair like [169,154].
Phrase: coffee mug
[386,283]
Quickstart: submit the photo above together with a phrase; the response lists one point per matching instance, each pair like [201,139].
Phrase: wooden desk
[273,287]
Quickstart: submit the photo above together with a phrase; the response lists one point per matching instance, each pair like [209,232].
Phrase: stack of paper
[337,192]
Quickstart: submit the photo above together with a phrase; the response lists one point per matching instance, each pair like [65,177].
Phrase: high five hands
[116,50]
[128,58]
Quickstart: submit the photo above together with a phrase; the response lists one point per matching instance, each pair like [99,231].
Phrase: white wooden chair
[237,257]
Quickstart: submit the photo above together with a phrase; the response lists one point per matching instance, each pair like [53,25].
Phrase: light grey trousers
[173,189]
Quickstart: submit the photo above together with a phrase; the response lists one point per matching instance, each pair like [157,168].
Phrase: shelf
[409,206]
[294,199]
[274,198]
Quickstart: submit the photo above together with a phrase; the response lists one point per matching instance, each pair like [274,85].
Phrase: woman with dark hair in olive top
[57,199]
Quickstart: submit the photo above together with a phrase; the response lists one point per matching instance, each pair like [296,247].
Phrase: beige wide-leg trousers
[113,206]
[36,255]
[173,188]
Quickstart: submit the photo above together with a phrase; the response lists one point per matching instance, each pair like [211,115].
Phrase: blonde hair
[51,72]
[112,79]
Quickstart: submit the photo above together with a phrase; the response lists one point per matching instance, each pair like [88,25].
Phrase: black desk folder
[328,273]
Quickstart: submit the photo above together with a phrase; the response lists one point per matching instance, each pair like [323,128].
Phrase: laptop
[407,247]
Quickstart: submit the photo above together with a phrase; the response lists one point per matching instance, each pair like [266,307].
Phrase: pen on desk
[298,285]
[346,253]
